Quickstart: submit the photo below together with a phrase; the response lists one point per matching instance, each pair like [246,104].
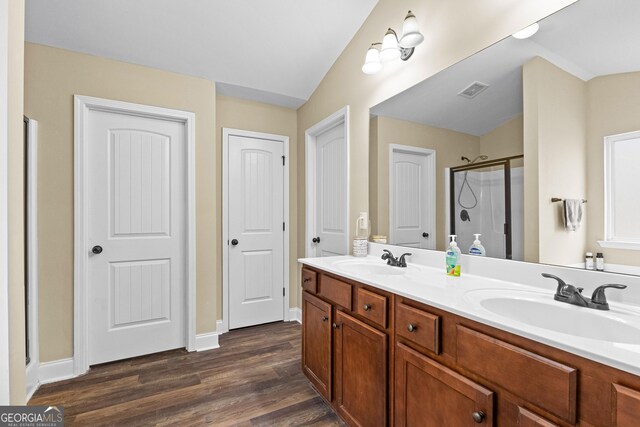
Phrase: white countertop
[461,296]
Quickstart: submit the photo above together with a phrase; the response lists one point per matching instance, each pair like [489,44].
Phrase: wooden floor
[254,379]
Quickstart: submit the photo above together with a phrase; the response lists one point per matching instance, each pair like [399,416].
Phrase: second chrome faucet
[573,295]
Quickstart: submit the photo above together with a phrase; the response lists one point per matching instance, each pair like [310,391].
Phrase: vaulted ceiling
[274,51]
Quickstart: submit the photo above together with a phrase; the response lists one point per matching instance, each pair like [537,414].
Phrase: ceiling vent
[473,90]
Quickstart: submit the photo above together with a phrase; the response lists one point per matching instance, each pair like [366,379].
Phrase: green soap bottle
[453,257]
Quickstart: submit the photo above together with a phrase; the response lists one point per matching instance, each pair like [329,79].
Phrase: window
[622,191]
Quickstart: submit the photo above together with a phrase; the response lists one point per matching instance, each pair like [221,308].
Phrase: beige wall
[254,116]
[504,141]
[450,35]
[555,104]
[52,77]
[612,110]
[16,202]
[449,145]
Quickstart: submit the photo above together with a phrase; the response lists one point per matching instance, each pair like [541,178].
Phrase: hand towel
[572,214]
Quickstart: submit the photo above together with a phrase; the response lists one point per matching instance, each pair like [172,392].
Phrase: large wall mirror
[497,143]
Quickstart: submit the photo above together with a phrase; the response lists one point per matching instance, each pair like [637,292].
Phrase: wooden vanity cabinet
[345,346]
[383,359]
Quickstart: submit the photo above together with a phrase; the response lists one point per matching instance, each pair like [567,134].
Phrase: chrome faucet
[573,295]
[393,261]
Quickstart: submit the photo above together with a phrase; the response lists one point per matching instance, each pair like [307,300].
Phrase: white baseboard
[209,341]
[31,378]
[295,315]
[56,370]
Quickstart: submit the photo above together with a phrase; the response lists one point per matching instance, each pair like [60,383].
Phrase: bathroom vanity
[410,346]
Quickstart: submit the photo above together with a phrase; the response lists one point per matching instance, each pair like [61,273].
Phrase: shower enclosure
[486,197]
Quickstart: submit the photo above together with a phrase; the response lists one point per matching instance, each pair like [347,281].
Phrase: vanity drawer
[335,291]
[372,306]
[543,382]
[418,326]
[309,280]
[529,419]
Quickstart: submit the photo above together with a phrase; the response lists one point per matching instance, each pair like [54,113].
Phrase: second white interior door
[256,230]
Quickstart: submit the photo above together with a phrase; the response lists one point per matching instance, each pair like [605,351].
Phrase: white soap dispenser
[362,234]
[476,248]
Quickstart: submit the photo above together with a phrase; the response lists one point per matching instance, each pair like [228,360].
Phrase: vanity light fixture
[527,32]
[393,48]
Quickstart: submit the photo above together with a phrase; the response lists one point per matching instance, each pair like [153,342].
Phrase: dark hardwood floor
[254,379]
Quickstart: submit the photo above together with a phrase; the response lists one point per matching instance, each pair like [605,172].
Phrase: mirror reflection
[531,143]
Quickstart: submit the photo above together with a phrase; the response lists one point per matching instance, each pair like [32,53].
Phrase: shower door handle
[425,235]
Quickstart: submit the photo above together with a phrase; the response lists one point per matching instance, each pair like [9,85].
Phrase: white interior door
[255,230]
[137,198]
[331,193]
[411,199]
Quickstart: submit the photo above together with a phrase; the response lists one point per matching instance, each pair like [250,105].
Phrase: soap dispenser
[453,257]
[477,248]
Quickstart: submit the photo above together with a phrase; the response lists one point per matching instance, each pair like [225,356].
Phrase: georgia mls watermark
[31,416]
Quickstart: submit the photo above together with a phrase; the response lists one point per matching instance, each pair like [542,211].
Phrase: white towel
[572,214]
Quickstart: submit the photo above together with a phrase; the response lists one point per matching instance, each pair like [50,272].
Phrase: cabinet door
[316,343]
[430,394]
[626,410]
[361,372]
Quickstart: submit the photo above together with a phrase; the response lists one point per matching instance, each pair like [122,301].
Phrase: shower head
[481,157]
[469,161]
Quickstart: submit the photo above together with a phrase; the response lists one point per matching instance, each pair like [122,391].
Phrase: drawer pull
[325,318]
[366,307]
[411,327]
[336,326]
[308,279]
[478,416]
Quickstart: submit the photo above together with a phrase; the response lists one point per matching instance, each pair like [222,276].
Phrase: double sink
[530,307]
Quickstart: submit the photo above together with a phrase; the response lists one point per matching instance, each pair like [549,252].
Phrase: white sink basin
[378,268]
[542,311]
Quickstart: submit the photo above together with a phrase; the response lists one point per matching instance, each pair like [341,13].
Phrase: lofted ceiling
[274,51]
[590,38]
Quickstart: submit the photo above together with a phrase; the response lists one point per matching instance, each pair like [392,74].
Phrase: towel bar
[555,199]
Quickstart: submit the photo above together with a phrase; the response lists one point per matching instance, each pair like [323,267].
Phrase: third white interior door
[412,197]
[331,193]
[255,229]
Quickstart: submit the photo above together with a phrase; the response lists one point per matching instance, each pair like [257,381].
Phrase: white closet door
[256,235]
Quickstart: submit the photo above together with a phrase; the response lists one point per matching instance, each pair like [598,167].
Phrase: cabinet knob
[478,416]
[366,307]
[411,327]
[308,279]
[336,326]
[325,318]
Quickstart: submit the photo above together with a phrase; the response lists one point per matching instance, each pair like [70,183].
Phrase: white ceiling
[589,38]
[274,51]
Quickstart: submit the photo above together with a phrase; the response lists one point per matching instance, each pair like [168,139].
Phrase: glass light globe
[389,49]
[527,32]
[411,35]
[372,62]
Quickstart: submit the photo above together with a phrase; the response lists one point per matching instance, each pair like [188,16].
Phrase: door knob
[316,240]
[96,249]
[425,234]
[478,416]
[234,242]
